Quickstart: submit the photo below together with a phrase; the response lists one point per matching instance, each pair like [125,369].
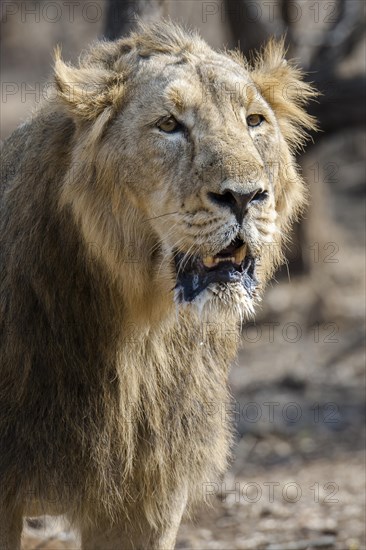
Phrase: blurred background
[297,479]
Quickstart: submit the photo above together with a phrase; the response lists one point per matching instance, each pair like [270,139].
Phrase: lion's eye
[169,125]
[254,120]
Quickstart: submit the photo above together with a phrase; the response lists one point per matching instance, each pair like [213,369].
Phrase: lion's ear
[88,90]
[283,87]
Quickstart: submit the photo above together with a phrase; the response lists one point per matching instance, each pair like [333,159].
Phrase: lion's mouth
[233,264]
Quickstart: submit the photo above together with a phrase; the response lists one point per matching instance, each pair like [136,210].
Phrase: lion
[143,208]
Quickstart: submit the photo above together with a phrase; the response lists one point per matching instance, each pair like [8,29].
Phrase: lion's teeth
[220,259]
[209,261]
[240,254]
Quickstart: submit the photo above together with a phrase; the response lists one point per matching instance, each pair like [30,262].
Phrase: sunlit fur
[113,397]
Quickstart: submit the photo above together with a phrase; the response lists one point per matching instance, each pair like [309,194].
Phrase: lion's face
[198,152]
[207,142]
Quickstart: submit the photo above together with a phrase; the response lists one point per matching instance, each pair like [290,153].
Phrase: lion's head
[190,154]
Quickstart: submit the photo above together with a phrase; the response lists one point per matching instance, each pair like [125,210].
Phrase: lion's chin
[227,276]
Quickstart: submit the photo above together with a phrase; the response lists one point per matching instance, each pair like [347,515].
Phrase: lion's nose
[237,201]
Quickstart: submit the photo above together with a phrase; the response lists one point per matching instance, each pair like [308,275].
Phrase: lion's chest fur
[110,411]
[147,424]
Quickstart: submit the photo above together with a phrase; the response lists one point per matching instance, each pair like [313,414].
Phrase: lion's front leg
[122,538]
[129,537]
[137,534]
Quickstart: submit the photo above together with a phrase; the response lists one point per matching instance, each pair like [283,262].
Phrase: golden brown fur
[111,395]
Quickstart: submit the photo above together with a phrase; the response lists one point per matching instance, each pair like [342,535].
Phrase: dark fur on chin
[193,278]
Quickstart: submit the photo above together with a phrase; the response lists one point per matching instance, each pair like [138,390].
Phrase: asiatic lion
[142,211]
